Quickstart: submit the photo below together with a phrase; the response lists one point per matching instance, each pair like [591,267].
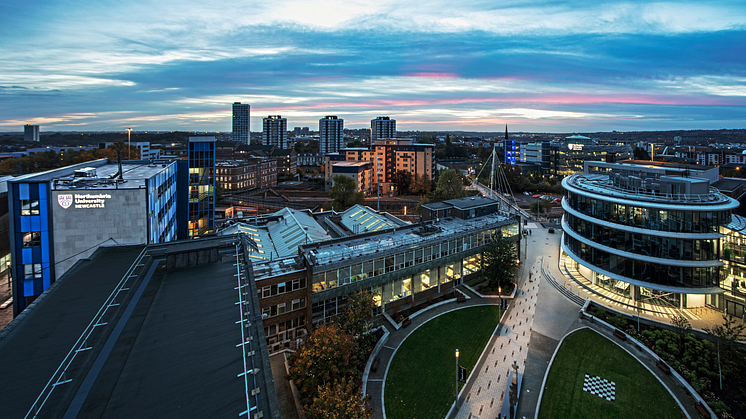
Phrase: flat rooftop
[134,175]
[342,251]
[170,348]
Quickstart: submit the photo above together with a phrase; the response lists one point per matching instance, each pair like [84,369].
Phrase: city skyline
[536,66]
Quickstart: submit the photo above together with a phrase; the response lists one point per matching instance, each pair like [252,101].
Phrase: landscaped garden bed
[694,358]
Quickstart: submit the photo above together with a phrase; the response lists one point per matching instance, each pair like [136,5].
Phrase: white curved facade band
[660,233]
[729,204]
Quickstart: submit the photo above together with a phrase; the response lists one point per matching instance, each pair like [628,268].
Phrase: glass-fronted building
[651,233]
[201,214]
[61,216]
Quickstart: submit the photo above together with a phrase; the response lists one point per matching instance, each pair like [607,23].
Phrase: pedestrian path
[483,395]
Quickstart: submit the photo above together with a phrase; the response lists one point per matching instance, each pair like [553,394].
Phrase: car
[536,196]
[557,200]
[526,193]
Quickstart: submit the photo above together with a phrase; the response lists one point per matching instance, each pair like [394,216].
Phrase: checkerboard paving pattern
[600,387]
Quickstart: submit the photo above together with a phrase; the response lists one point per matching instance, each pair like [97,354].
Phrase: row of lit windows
[650,218]
[653,273]
[646,244]
[367,269]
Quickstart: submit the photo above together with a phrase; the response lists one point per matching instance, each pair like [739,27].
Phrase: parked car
[537,196]
[526,193]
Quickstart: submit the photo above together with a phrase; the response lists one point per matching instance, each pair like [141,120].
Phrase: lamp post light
[499,303]
[129,150]
[456,378]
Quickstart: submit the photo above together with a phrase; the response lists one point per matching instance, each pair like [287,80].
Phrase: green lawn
[421,378]
[638,393]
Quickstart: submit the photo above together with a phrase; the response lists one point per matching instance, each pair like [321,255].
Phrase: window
[32,239]
[299,304]
[32,271]
[29,207]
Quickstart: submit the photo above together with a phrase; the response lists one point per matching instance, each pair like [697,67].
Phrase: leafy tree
[725,337]
[450,186]
[499,261]
[681,327]
[340,400]
[420,185]
[540,207]
[356,143]
[403,181]
[218,191]
[355,318]
[344,194]
[640,154]
[328,355]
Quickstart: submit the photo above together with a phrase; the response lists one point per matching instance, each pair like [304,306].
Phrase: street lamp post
[457,378]
[499,303]
[129,150]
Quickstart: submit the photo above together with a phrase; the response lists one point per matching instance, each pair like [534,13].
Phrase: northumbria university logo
[65,200]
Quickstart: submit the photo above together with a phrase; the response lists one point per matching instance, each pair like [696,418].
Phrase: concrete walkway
[484,393]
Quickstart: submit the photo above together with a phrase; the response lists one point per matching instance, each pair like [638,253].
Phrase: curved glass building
[647,232]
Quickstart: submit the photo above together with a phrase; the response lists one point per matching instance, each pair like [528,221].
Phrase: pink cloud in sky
[433,75]
[516,100]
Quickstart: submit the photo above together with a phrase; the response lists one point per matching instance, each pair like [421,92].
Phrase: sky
[473,65]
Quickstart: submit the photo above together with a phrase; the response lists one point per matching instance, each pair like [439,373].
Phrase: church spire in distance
[506,131]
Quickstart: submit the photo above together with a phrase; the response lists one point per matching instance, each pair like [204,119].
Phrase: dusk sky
[538,66]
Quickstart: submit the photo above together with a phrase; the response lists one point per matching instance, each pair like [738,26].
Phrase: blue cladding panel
[46,277]
[25,224]
[35,223]
[23,191]
[28,287]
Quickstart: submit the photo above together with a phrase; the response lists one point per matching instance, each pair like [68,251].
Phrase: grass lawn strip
[421,379]
[638,393]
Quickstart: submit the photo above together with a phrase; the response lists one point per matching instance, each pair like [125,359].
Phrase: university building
[63,215]
[652,233]
[306,264]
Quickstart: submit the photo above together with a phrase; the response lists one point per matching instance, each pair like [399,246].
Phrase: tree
[420,185]
[328,355]
[540,207]
[344,194]
[499,261]
[681,326]
[725,337]
[340,400]
[218,191]
[640,154]
[356,316]
[450,186]
[403,181]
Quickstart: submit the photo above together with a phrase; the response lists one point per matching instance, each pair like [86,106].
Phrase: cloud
[168,64]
